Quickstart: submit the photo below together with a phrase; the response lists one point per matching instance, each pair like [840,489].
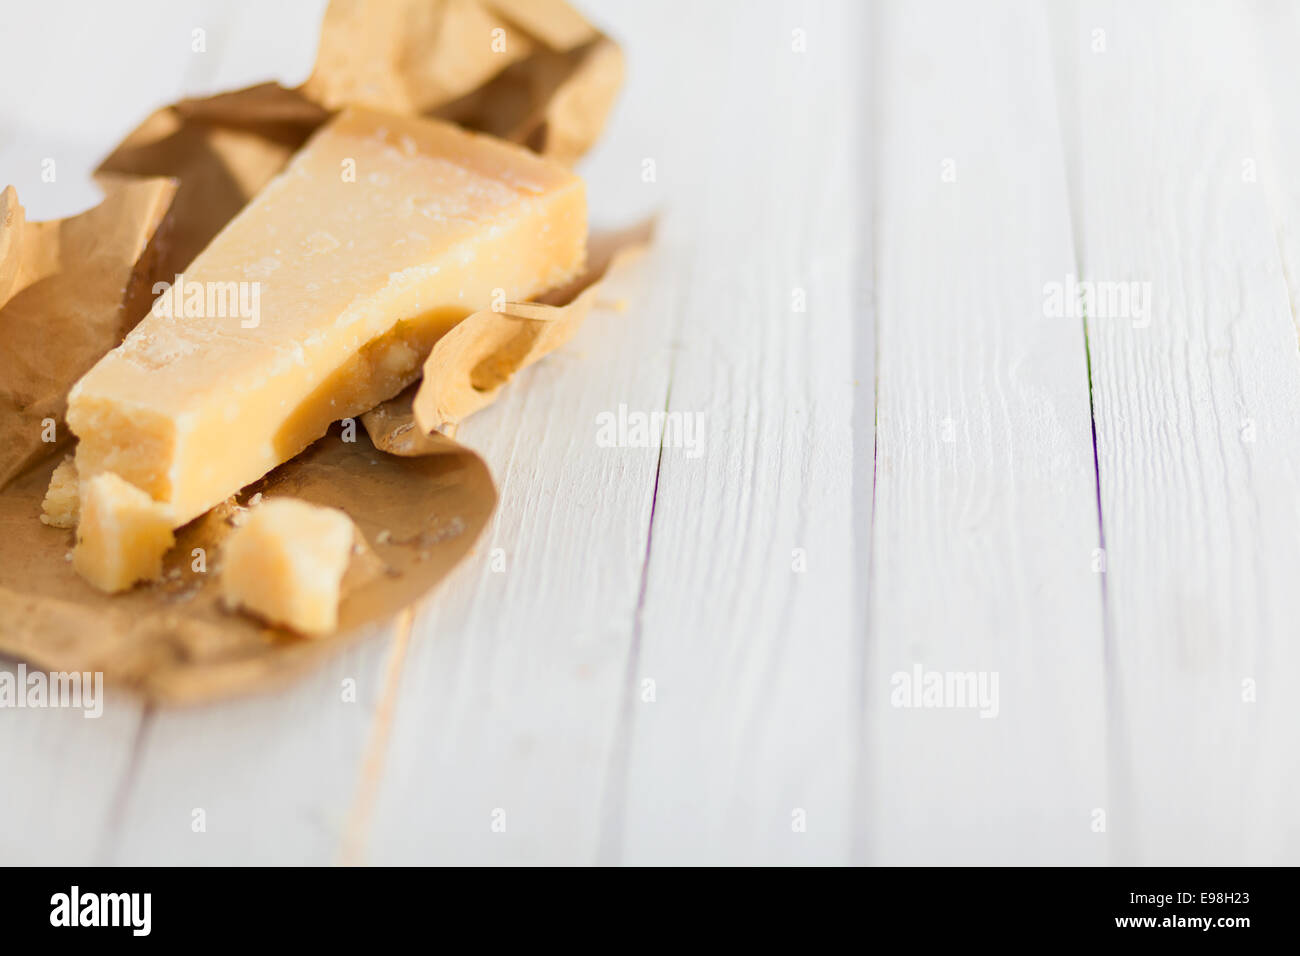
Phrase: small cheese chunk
[321,299]
[59,509]
[122,536]
[286,563]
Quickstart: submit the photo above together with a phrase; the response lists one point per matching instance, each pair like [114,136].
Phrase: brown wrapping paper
[173,640]
[419,502]
[419,499]
[531,71]
[470,365]
[70,290]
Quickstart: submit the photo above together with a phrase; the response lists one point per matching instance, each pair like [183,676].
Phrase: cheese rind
[381,234]
[122,535]
[286,564]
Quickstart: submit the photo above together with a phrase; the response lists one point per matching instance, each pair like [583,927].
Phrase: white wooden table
[912,459]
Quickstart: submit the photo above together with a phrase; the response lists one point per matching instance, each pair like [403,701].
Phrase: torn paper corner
[410,56]
[551,22]
[469,366]
[391,425]
[80,282]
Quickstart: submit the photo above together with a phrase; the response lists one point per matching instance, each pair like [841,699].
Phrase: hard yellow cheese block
[122,535]
[286,564]
[332,286]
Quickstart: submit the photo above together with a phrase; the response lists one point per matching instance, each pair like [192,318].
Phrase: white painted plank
[748,751]
[1197,421]
[1272,38]
[61,779]
[267,780]
[985,511]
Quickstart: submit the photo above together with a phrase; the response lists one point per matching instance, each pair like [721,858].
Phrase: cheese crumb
[122,535]
[286,563]
[60,507]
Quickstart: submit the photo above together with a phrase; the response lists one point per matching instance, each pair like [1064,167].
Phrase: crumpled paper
[531,71]
[418,498]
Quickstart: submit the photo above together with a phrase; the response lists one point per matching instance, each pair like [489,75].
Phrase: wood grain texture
[1197,409]
[61,779]
[270,779]
[985,509]
[744,747]
[1272,36]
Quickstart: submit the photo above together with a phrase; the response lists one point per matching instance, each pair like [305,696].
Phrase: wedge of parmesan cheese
[321,299]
